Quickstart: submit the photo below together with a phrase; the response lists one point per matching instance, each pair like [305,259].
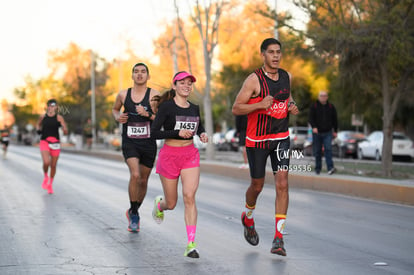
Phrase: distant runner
[6,122]
[48,127]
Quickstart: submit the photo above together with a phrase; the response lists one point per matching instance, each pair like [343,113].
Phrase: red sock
[280,225]
[248,219]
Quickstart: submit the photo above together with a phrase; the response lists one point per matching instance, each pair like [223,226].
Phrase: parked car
[298,136]
[346,144]
[232,139]
[219,141]
[27,138]
[341,145]
[371,147]
[198,144]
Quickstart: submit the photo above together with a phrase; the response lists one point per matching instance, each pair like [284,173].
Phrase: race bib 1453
[186,123]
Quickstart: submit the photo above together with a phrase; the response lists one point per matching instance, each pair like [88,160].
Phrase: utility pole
[276,32]
[175,62]
[93,116]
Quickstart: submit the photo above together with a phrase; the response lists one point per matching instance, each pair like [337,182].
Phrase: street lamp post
[93,115]
[276,32]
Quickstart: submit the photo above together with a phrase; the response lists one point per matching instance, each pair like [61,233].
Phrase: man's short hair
[140,64]
[267,42]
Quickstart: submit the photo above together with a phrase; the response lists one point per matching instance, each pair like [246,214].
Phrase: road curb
[393,193]
[364,189]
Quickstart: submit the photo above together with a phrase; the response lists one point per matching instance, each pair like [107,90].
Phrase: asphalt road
[81,228]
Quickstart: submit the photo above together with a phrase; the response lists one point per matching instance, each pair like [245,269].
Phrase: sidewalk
[388,190]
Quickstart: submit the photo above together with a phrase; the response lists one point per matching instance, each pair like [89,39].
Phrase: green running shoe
[156,213]
[191,251]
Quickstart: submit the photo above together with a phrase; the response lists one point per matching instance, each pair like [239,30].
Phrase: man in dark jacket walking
[324,123]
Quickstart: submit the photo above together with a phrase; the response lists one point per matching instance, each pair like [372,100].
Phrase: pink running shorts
[44,146]
[171,160]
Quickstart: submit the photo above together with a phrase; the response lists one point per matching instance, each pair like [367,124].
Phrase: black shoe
[330,172]
[278,247]
[250,233]
[317,172]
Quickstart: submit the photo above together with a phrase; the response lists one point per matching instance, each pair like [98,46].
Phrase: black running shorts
[145,152]
[279,157]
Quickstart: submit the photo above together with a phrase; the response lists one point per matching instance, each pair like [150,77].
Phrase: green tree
[69,82]
[372,42]
[73,66]
[228,83]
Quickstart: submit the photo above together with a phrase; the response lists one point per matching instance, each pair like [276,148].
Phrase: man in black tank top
[138,147]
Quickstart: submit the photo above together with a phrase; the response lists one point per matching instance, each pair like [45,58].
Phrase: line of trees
[360,51]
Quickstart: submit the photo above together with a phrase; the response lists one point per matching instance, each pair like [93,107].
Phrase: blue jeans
[324,139]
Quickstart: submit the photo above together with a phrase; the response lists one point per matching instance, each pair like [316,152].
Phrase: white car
[402,146]
[198,144]
[298,136]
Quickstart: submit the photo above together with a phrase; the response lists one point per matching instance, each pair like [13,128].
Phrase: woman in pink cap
[180,121]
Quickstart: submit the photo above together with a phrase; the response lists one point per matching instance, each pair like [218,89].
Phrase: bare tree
[206,19]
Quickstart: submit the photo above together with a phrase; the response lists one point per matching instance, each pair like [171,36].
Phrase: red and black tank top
[264,126]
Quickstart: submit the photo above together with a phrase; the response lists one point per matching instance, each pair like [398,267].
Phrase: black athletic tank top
[137,127]
[50,127]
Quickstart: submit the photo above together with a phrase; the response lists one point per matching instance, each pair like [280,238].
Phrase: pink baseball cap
[181,75]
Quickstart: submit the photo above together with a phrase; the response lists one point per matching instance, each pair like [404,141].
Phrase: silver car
[298,136]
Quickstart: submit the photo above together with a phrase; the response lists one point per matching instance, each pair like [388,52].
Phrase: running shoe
[156,213]
[44,183]
[250,233]
[191,251]
[244,166]
[50,188]
[133,221]
[278,247]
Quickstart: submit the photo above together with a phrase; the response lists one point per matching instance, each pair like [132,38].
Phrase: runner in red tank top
[266,98]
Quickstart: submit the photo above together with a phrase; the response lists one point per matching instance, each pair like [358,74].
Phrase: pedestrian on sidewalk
[177,121]
[324,122]
[48,127]
[266,99]
[87,132]
[138,147]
